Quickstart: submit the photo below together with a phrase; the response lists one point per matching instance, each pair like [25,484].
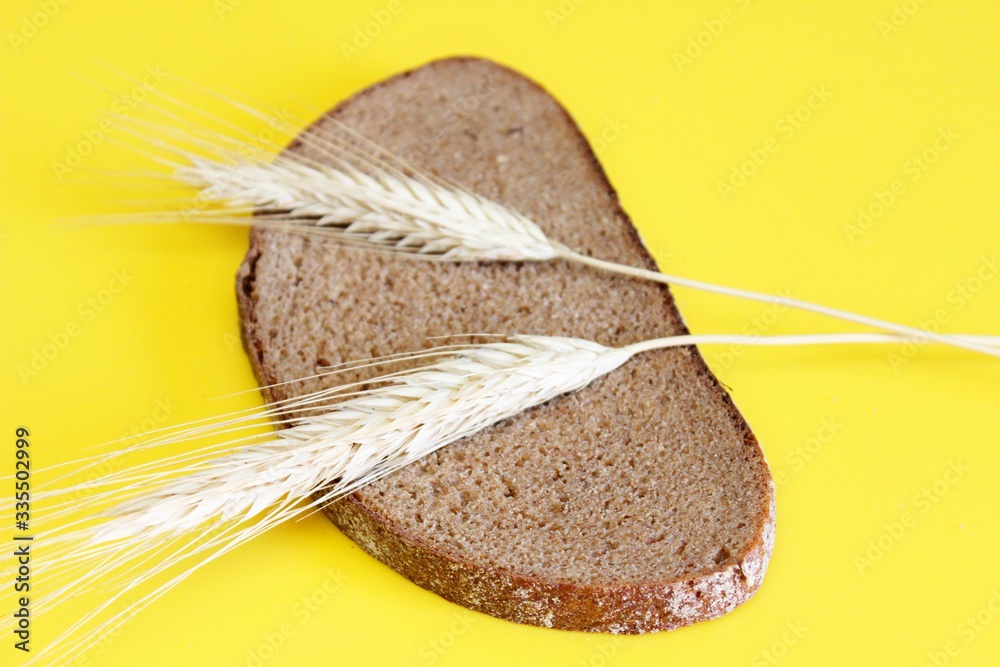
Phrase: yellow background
[853,435]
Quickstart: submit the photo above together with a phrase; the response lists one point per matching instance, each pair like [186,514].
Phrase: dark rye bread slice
[640,503]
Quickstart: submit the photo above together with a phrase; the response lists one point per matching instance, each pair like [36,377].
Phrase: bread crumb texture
[640,503]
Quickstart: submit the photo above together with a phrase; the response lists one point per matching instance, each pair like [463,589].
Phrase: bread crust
[633,608]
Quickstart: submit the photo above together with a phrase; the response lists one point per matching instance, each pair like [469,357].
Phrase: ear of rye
[364,196]
[226,500]
[368,436]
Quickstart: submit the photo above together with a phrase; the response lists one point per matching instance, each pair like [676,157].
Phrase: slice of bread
[640,503]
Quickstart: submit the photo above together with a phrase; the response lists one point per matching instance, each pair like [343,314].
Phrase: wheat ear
[359,194]
[233,497]
[434,222]
[190,509]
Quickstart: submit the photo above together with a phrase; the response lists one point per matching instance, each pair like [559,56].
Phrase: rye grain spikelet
[179,513]
[222,501]
[359,194]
